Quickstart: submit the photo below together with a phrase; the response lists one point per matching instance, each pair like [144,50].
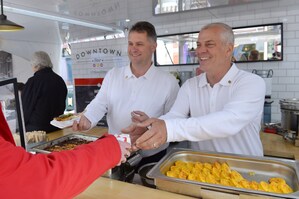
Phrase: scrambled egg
[220,173]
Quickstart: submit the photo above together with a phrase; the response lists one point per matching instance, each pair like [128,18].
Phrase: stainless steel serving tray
[111,173]
[262,167]
[41,147]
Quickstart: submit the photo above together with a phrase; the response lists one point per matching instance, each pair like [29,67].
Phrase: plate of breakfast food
[65,120]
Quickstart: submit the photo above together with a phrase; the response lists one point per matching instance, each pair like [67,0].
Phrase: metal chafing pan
[262,167]
[41,147]
[119,172]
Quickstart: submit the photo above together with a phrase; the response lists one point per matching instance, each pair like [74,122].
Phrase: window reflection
[258,43]
[252,44]
[171,6]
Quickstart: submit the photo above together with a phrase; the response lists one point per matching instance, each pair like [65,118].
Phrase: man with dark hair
[137,86]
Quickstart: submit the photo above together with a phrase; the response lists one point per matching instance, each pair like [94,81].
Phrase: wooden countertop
[113,189]
[274,146]
[97,131]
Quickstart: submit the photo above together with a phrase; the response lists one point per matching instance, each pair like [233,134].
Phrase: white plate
[64,124]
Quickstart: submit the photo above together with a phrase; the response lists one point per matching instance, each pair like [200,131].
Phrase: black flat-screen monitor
[265,42]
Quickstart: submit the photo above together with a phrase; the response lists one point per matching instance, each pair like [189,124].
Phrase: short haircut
[144,26]
[227,34]
[40,60]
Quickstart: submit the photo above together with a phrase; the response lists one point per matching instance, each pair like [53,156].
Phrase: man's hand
[125,151]
[138,116]
[135,132]
[83,124]
[154,137]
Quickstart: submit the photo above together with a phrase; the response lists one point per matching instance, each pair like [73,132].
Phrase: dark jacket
[43,98]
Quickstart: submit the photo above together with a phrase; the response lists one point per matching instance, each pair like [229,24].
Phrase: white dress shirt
[122,92]
[223,118]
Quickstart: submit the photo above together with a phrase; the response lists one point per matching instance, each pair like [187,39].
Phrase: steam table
[274,146]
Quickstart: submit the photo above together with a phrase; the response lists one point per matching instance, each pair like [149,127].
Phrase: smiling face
[213,52]
[140,49]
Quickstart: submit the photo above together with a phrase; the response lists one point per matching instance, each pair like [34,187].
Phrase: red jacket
[56,175]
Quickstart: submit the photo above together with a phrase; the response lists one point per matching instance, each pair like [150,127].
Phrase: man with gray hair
[220,110]
[43,96]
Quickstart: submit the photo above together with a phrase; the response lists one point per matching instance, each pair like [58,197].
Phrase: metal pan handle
[270,73]
[134,159]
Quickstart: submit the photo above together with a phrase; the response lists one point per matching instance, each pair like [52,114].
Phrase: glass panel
[166,6]
[258,43]
[177,49]
[171,6]
[10,104]
[263,42]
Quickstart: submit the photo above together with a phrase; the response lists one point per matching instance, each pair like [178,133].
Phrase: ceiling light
[6,25]
[62,18]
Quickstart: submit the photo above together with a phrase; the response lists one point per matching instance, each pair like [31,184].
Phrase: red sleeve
[56,175]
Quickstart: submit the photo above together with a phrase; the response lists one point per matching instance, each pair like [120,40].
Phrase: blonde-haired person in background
[43,96]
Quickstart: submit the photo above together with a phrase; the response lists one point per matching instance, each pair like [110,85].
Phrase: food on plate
[67,145]
[65,117]
[220,173]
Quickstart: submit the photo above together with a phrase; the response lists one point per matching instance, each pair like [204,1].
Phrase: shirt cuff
[90,118]
[170,131]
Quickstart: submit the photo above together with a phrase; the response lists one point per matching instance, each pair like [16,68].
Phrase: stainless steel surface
[290,116]
[263,73]
[113,173]
[263,168]
[41,148]
[142,171]
[124,172]
[290,104]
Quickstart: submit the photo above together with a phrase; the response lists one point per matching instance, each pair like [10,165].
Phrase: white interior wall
[22,69]
[21,60]
[22,44]
[285,82]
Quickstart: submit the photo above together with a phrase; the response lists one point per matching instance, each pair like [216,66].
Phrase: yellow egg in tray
[222,174]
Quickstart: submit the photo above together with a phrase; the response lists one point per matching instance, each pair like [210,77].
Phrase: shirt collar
[225,81]
[148,75]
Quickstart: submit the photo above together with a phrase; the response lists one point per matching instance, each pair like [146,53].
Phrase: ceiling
[96,18]
[108,15]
